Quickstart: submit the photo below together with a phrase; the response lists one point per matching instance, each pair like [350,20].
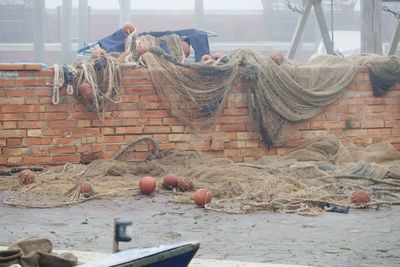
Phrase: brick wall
[33,131]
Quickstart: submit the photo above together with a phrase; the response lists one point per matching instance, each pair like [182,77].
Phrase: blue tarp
[197,39]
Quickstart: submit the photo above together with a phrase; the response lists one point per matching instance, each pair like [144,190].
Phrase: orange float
[98,52]
[26,177]
[186,48]
[206,58]
[143,47]
[360,197]
[128,28]
[147,185]
[217,55]
[185,185]
[202,197]
[86,188]
[277,57]
[86,91]
[170,181]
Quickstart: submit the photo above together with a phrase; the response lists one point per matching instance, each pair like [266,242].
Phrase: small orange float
[86,188]
[147,185]
[206,58]
[185,185]
[360,197]
[202,197]
[86,91]
[128,28]
[170,181]
[186,48]
[26,177]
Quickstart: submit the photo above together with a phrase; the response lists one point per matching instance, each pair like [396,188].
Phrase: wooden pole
[66,18]
[371,25]
[38,36]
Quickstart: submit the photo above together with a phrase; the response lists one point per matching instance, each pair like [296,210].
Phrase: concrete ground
[360,238]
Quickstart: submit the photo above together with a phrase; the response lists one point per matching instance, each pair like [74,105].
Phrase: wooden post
[115,248]
[38,36]
[371,24]
[124,11]
[83,22]
[66,18]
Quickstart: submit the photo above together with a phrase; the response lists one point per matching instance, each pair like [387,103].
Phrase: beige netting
[322,172]
[280,95]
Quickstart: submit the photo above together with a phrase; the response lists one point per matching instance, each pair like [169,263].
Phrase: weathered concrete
[360,238]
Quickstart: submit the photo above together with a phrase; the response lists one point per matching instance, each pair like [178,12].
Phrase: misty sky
[168,4]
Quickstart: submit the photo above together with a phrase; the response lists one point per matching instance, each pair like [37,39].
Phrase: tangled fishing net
[280,95]
[322,173]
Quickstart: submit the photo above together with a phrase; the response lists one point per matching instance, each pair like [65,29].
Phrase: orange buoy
[170,181]
[98,52]
[185,185]
[277,57]
[143,47]
[128,28]
[202,197]
[86,188]
[206,58]
[360,197]
[26,177]
[217,55]
[147,185]
[186,48]
[86,91]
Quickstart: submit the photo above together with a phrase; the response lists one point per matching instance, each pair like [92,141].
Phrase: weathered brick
[62,150]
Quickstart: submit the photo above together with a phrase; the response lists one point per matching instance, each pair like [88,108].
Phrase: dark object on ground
[333,208]
[16,170]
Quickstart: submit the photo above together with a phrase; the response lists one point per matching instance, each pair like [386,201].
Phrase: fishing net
[323,172]
[280,95]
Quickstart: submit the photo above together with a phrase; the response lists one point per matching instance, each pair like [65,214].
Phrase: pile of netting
[322,173]
[280,95]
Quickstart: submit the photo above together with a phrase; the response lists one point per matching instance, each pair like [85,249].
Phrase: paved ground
[360,238]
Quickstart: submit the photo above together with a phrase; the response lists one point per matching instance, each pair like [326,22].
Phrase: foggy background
[267,25]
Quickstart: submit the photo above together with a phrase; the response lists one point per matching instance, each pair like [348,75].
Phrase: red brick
[372,124]
[53,116]
[31,124]
[62,150]
[382,131]
[16,151]
[14,141]
[36,159]
[66,141]
[155,113]
[12,100]
[9,124]
[235,111]
[63,124]
[62,159]
[53,132]
[231,128]
[128,130]
[37,141]
[11,117]
[156,129]
[113,139]
[12,133]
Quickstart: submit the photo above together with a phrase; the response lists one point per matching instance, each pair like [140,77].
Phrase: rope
[58,82]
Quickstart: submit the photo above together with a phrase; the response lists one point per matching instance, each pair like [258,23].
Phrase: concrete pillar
[66,18]
[199,13]
[38,36]
[371,25]
[83,22]
[124,11]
